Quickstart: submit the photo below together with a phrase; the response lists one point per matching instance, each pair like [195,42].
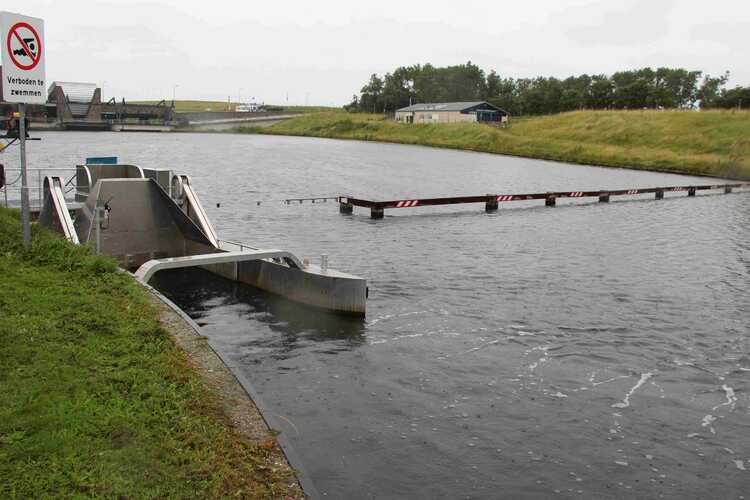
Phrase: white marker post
[24,82]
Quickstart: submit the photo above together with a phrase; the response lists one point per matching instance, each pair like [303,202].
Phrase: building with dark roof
[451,112]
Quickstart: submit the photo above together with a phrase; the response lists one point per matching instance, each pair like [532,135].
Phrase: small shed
[452,112]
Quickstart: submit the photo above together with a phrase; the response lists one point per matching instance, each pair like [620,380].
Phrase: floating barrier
[491,201]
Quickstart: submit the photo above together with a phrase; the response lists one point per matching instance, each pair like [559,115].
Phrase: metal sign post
[25,208]
[24,82]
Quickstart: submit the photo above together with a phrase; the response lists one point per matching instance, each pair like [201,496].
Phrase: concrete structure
[452,112]
[79,106]
[151,220]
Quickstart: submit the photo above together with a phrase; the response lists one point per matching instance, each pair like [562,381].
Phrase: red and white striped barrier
[407,203]
[491,201]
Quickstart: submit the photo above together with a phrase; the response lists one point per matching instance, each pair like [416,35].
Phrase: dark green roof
[447,106]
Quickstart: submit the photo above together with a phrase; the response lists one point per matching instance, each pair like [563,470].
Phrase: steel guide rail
[491,201]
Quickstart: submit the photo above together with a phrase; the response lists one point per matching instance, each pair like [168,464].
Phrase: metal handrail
[46,169]
[290,260]
[236,244]
[33,185]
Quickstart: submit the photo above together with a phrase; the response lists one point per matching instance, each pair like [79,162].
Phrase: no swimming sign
[23,55]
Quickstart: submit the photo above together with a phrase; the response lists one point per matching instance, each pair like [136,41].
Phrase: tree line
[661,88]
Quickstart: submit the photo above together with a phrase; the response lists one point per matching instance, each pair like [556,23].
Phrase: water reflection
[200,294]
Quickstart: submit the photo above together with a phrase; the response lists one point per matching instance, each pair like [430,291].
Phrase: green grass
[193,106]
[96,398]
[309,109]
[188,106]
[715,143]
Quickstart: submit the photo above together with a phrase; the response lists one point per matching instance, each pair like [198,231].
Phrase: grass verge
[713,143]
[97,399]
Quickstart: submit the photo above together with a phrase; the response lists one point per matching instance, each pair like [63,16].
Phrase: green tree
[710,90]
[371,95]
[631,89]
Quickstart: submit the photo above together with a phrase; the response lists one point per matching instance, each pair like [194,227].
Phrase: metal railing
[235,246]
[11,191]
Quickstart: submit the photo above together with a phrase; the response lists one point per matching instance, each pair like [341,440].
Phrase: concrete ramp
[138,222]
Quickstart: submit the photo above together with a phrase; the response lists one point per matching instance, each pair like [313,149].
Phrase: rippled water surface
[582,351]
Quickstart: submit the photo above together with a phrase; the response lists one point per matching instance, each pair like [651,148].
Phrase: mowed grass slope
[191,106]
[96,398]
[715,143]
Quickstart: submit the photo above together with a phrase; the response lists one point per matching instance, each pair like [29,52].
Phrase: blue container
[101,160]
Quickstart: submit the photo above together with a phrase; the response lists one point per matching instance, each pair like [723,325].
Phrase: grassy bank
[715,143]
[184,106]
[97,400]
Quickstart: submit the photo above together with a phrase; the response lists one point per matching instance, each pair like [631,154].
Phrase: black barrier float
[492,201]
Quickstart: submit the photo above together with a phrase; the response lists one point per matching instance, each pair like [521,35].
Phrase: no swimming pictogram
[24,46]
[23,58]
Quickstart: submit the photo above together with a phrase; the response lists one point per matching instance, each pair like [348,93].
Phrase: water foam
[707,421]
[731,398]
[626,402]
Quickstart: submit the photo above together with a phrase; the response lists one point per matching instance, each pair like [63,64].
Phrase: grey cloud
[634,22]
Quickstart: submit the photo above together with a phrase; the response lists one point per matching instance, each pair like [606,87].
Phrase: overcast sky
[321,52]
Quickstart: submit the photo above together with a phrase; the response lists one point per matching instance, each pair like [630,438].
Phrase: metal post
[346,208]
[491,205]
[97,221]
[25,215]
[5,185]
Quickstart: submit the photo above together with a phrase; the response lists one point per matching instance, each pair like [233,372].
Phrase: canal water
[583,351]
